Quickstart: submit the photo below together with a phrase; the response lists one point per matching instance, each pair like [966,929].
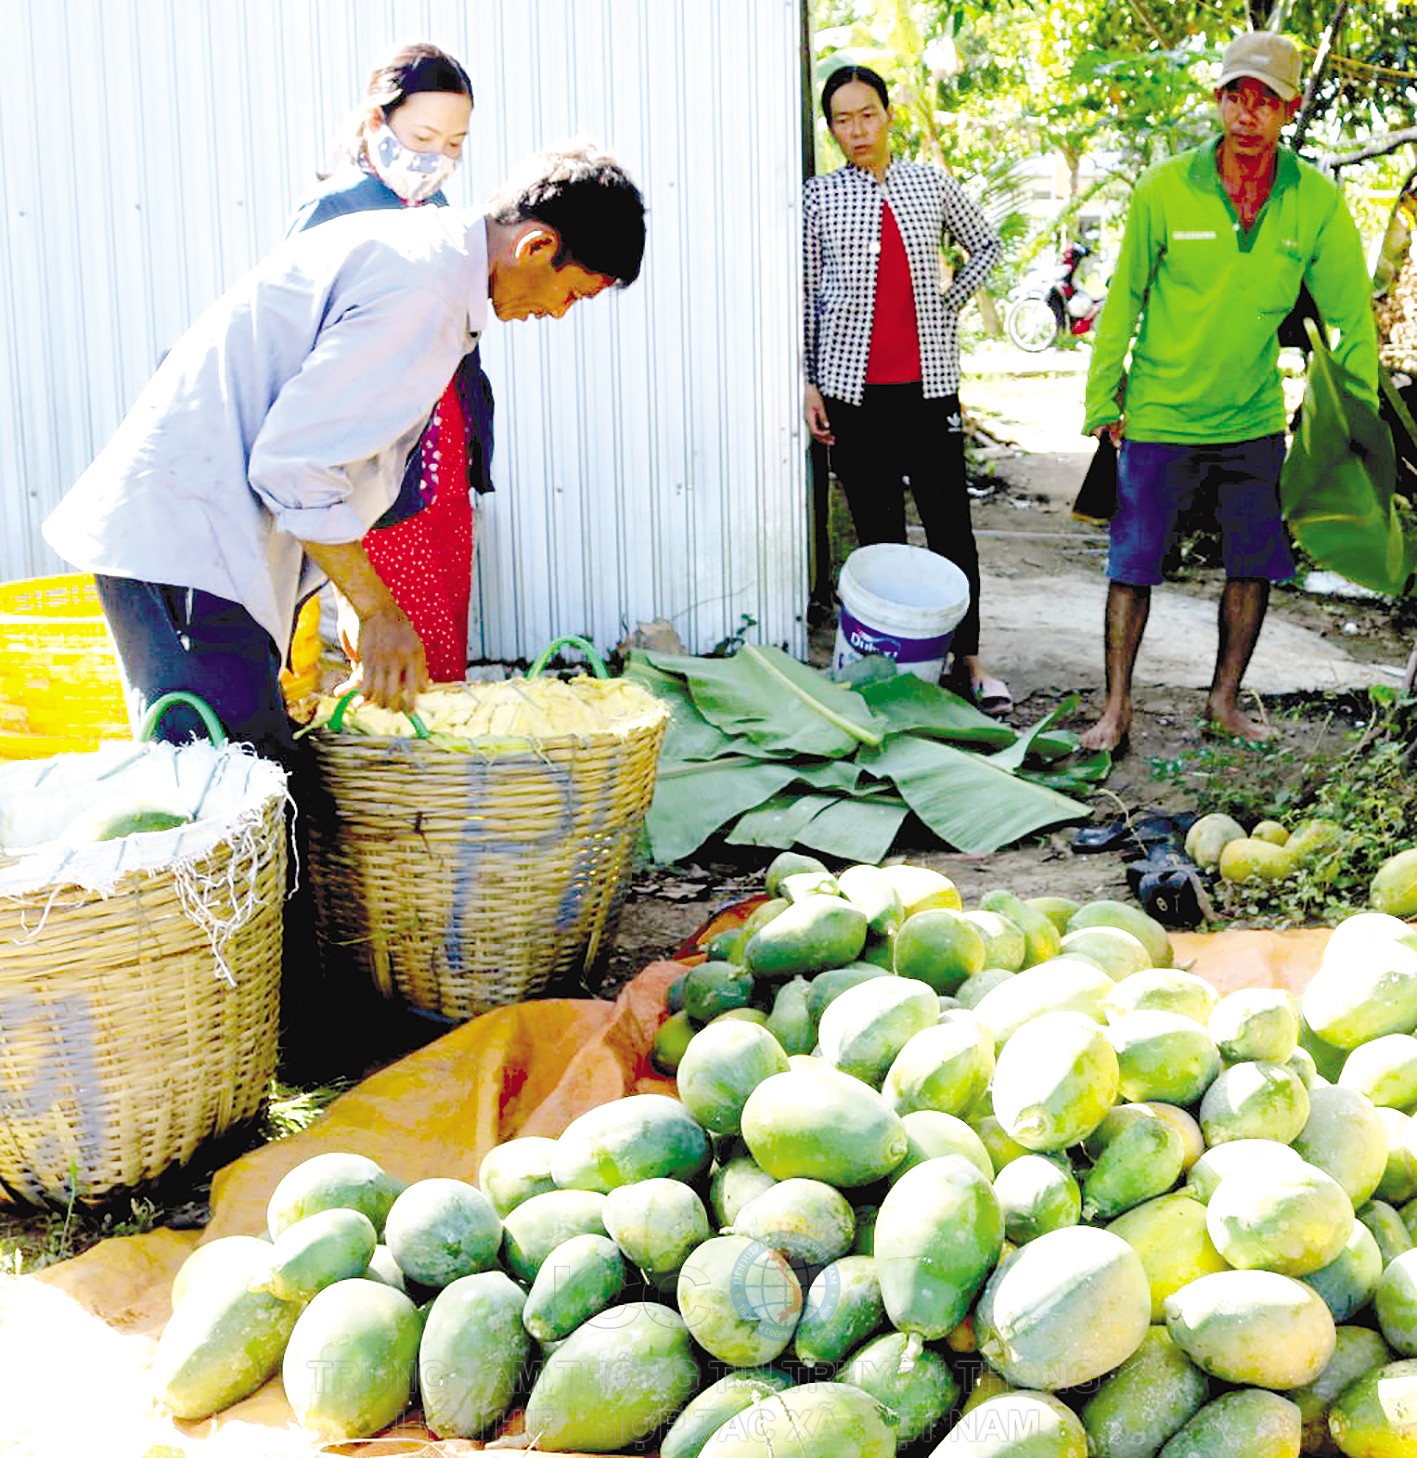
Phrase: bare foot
[1110,730]
[1232,721]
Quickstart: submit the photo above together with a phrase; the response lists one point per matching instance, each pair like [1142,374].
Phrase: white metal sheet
[650,455]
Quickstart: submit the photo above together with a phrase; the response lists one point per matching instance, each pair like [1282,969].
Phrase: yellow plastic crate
[60,689]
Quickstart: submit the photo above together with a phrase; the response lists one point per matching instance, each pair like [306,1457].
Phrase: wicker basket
[139,1007]
[458,881]
[60,688]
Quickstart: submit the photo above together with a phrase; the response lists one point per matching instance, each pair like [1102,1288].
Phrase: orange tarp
[76,1340]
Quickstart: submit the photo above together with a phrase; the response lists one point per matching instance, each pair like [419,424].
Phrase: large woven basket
[139,1000]
[462,879]
[60,688]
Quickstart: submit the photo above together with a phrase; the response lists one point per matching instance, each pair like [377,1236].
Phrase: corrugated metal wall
[650,457]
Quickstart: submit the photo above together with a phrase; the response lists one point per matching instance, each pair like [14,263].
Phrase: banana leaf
[1016,754]
[1336,489]
[909,705]
[855,830]
[968,801]
[689,736]
[776,702]
[691,801]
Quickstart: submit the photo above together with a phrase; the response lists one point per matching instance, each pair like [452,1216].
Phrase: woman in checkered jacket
[882,342]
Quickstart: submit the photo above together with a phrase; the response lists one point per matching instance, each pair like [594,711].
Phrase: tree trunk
[1396,283]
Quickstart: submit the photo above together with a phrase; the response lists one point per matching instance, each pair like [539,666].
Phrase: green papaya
[440,1229]
[248,1254]
[349,1367]
[328,1246]
[581,1277]
[222,1343]
[474,1351]
[333,1180]
[716,1405]
[1041,939]
[712,988]
[632,1138]
[822,1124]
[785,864]
[537,1226]
[809,1221]
[1036,1194]
[1142,1162]
[939,1232]
[790,1022]
[721,1067]
[656,1223]
[1064,1309]
[1357,1350]
[671,1041]
[809,936]
[813,1420]
[733,1184]
[1254,1328]
[615,1381]
[940,947]
[825,987]
[515,1171]
[1140,1404]
[916,1395]
[863,1029]
[843,1307]
[1250,1422]
[740,1298]
[874,894]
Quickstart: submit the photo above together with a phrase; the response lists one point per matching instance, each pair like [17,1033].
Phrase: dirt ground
[1041,605]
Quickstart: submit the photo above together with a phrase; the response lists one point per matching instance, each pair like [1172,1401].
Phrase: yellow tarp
[76,1340]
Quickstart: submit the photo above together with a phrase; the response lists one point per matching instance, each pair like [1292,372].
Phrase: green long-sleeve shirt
[1198,299]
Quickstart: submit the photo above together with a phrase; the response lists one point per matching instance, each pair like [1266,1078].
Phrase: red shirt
[895,335]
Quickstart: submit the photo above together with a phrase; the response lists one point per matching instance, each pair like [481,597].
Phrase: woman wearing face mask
[408,140]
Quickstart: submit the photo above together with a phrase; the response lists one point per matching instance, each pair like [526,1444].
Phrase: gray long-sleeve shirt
[285,414]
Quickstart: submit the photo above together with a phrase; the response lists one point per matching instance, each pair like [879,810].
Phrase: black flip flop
[1140,831]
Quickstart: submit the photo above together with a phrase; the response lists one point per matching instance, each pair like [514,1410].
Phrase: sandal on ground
[1141,831]
[993,697]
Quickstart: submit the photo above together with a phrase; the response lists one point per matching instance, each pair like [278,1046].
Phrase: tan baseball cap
[1266,56]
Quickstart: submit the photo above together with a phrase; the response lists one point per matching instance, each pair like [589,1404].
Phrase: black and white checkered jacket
[841,213]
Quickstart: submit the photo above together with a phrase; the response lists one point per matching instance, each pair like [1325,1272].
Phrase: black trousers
[895,434]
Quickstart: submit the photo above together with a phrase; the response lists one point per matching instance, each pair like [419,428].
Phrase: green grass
[1360,778]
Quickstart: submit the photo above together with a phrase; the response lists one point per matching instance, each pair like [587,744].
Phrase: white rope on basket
[200,892]
[203,890]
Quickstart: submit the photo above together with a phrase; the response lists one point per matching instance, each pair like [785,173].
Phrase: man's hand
[389,653]
[378,636]
[1113,430]
[815,410]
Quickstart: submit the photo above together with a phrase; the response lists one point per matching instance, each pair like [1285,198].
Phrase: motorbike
[1044,308]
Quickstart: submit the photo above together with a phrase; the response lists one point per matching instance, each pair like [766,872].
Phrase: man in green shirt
[1218,242]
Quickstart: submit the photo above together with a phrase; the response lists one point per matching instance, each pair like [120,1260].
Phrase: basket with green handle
[478,851]
[139,974]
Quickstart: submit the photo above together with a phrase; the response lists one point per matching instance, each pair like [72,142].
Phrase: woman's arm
[968,226]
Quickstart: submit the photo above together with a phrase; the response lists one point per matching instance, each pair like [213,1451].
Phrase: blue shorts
[1156,483]
[177,638]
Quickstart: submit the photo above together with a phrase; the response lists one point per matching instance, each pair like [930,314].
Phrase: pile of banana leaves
[764,750]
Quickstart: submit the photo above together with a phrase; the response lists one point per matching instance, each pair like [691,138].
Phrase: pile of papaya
[1271,851]
[994,1181]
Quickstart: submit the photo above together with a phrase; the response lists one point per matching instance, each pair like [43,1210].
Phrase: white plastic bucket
[901,602]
